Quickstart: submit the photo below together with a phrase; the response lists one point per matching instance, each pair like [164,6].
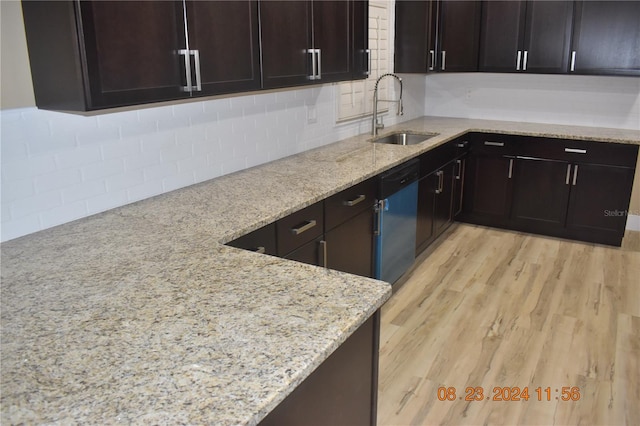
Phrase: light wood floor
[491,308]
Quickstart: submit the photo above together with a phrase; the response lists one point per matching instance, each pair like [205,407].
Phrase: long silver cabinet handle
[575,150]
[524,61]
[575,174]
[357,200]
[566,181]
[368,53]
[319,64]
[439,174]
[518,60]
[444,60]
[323,253]
[510,168]
[459,174]
[432,54]
[196,56]
[260,250]
[310,224]
[379,207]
[312,52]
[187,69]
[489,143]
[573,61]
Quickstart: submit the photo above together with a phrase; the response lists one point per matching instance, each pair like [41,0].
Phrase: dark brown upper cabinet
[92,55]
[307,42]
[526,36]
[606,38]
[437,36]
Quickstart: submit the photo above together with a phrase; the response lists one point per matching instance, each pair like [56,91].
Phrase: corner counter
[142,315]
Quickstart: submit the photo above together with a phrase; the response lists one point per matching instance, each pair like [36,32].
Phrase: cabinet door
[489,185]
[503,25]
[548,36]
[361,54]
[599,202]
[131,50]
[427,187]
[312,253]
[226,35]
[606,38]
[541,193]
[458,186]
[350,245]
[332,35]
[459,35]
[413,36]
[443,213]
[286,38]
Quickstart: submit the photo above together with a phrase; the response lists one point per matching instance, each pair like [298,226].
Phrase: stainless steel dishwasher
[396,215]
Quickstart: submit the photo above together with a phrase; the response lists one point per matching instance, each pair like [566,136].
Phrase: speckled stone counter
[140,314]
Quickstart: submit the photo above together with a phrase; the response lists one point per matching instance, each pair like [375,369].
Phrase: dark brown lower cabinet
[458,186]
[599,202]
[488,189]
[342,390]
[435,197]
[563,188]
[311,253]
[350,245]
[541,193]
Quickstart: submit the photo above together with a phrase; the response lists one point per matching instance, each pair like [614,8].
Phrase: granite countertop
[141,315]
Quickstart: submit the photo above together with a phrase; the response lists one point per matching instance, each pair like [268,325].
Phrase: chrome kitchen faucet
[375,125]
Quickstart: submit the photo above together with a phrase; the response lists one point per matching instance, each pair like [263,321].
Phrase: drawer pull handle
[488,143]
[575,150]
[310,224]
[357,200]
[259,250]
[462,144]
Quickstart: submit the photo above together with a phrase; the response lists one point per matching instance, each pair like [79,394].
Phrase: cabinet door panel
[502,29]
[350,245]
[311,253]
[426,209]
[286,37]
[606,37]
[226,35]
[459,30]
[541,192]
[413,36]
[131,51]
[548,36]
[443,213]
[360,19]
[490,187]
[599,201]
[332,35]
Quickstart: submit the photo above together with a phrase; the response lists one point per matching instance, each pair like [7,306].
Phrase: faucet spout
[375,125]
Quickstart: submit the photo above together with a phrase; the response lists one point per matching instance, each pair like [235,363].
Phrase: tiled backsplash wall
[58,167]
[562,99]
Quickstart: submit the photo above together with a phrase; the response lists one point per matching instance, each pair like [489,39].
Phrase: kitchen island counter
[142,315]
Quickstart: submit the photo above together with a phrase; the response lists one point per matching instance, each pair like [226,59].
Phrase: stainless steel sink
[404,138]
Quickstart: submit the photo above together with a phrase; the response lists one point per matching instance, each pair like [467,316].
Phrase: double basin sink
[404,138]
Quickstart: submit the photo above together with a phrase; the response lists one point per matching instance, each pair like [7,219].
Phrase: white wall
[561,99]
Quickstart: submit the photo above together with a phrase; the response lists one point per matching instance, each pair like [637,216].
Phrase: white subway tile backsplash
[106,201]
[38,203]
[83,191]
[25,168]
[78,157]
[65,213]
[57,180]
[21,188]
[57,167]
[112,167]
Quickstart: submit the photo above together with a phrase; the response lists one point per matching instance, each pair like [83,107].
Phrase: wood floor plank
[487,308]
